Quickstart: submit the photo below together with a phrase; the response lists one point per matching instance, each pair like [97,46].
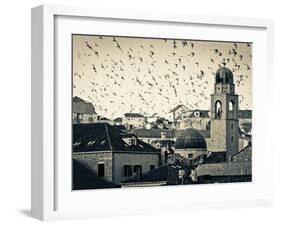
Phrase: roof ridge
[245,148]
[108,137]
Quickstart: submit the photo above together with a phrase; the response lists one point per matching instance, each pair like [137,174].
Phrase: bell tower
[224,114]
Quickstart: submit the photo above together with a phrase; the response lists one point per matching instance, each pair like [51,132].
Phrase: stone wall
[115,161]
[224,179]
[84,118]
[143,159]
[92,159]
[243,142]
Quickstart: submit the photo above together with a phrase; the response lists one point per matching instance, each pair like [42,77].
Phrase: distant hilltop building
[133,120]
[159,123]
[201,120]
[153,118]
[245,122]
[82,111]
[197,119]
[178,112]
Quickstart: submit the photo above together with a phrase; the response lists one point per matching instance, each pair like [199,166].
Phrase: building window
[190,156]
[231,125]
[152,167]
[218,109]
[79,118]
[91,143]
[138,169]
[231,105]
[101,169]
[232,139]
[91,119]
[133,141]
[128,170]
[76,144]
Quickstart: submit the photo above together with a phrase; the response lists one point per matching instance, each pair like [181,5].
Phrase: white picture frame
[52,199]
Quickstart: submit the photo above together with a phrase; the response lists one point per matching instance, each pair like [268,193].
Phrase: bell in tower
[224,114]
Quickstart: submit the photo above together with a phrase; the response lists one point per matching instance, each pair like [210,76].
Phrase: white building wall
[135,122]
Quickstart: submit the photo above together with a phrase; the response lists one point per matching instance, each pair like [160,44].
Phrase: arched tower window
[231,105]
[218,109]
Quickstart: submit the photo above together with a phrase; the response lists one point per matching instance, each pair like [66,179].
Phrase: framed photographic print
[134,111]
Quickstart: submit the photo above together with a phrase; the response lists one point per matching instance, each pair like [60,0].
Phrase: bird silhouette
[89,46]
[146,70]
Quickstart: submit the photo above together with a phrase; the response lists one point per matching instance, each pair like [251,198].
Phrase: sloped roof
[77,99]
[133,115]
[158,126]
[85,178]
[215,157]
[167,173]
[244,155]
[119,119]
[190,138]
[245,114]
[104,137]
[225,169]
[120,128]
[177,107]
[240,164]
[204,133]
[153,133]
[164,142]
[82,107]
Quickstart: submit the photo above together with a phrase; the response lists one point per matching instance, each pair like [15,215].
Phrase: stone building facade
[93,160]
[82,111]
[101,148]
[224,114]
[133,120]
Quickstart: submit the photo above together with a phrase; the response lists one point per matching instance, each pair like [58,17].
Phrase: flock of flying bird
[148,76]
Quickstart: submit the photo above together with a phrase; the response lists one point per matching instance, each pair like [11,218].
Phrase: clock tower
[224,114]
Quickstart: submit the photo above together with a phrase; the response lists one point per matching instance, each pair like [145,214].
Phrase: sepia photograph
[160,111]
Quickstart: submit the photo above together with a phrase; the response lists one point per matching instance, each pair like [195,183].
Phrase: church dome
[190,138]
[224,75]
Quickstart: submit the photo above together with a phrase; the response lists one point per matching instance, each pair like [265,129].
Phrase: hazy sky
[148,76]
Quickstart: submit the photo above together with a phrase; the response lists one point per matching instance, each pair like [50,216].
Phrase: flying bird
[90,47]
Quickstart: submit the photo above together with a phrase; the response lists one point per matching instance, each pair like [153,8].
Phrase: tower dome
[190,138]
[224,75]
